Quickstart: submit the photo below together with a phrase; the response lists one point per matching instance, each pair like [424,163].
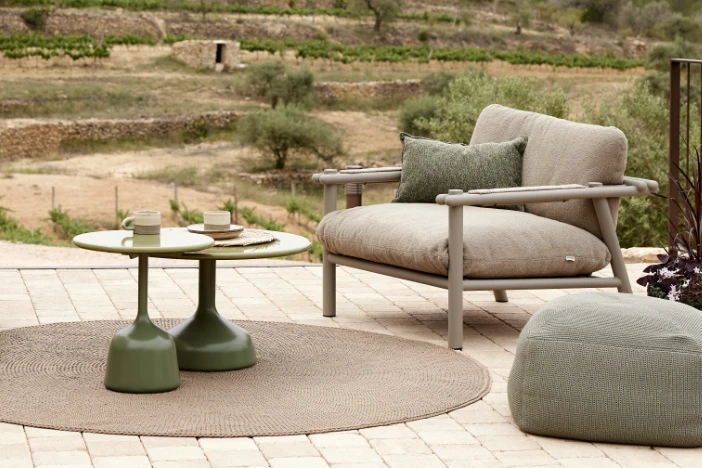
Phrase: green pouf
[610,367]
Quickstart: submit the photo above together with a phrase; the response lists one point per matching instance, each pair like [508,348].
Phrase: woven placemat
[308,379]
[247,237]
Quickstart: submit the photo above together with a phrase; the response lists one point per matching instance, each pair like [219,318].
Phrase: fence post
[292,188]
[53,197]
[674,150]
[236,206]
[116,200]
[354,192]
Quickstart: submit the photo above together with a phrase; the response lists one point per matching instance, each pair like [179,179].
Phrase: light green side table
[207,341]
[142,357]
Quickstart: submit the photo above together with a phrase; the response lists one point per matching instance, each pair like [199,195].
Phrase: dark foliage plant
[679,275]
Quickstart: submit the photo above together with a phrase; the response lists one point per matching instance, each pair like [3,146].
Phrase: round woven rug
[307,380]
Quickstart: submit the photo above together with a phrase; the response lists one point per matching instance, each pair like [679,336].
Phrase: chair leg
[619,269]
[455,275]
[609,235]
[455,317]
[501,295]
[328,287]
[329,268]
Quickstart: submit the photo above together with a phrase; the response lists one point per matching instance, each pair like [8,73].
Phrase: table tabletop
[126,242]
[285,244]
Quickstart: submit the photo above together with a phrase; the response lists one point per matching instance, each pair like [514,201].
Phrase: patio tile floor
[480,435]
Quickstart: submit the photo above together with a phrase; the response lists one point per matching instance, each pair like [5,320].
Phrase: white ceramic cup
[217,220]
[144,222]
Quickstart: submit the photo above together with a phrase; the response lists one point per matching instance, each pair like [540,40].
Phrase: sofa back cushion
[559,152]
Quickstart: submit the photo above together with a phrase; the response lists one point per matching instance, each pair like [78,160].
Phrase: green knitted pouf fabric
[610,367]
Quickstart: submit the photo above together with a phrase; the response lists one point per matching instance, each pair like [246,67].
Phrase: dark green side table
[207,341]
[142,356]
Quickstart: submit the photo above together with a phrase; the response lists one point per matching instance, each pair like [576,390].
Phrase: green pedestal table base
[142,357]
[207,341]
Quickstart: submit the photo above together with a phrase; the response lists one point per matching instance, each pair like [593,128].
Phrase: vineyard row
[423,54]
[215,7]
[35,45]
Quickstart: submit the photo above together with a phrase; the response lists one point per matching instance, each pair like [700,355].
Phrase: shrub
[11,230]
[35,18]
[423,109]
[250,216]
[643,117]
[280,132]
[438,82]
[296,207]
[423,35]
[121,214]
[175,207]
[274,82]
[191,216]
[69,226]
[197,130]
[228,205]
[294,87]
[642,19]
[458,110]
[679,26]
[659,56]
[316,251]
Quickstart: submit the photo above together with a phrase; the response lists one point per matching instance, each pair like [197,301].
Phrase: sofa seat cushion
[609,367]
[497,243]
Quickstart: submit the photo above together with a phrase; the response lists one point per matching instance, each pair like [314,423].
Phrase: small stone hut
[213,55]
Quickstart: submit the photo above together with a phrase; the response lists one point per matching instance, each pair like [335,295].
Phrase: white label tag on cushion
[570,258]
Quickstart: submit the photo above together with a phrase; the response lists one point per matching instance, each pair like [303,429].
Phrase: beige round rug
[307,380]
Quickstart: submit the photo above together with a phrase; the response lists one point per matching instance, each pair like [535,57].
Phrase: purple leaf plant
[679,275]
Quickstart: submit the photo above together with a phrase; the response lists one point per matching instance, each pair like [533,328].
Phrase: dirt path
[92,200]
[128,164]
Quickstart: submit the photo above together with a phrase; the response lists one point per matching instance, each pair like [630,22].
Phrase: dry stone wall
[26,138]
[100,24]
[235,27]
[92,23]
[335,91]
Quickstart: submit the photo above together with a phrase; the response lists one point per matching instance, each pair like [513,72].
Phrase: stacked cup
[217,220]
[144,222]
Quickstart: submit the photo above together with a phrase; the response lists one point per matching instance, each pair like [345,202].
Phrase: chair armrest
[526,189]
[358,176]
[651,185]
[631,187]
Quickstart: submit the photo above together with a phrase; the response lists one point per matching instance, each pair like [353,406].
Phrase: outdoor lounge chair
[572,179]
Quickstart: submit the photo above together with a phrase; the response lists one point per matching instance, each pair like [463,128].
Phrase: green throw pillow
[430,168]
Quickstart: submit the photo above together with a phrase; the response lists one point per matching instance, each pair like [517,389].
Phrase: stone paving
[480,435]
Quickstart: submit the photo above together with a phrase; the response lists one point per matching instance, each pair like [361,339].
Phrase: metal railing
[679,68]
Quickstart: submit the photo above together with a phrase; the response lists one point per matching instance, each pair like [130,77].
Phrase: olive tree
[520,14]
[683,27]
[383,10]
[642,19]
[275,82]
[283,132]
[594,11]
[458,109]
